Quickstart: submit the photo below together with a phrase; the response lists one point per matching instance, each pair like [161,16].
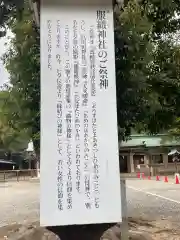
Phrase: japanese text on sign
[79,144]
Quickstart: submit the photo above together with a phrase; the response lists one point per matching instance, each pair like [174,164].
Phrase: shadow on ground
[90,232]
[139,229]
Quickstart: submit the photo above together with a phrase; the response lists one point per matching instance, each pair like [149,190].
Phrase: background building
[148,152]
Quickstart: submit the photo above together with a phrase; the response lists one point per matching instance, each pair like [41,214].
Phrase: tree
[9,9]
[132,45]
[23,63]
[146,73]
[164,14]
[165,80]
[11,140]
[136,34]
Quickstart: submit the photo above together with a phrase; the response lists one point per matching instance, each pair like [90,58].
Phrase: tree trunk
[36,144]
[176,167]
[37,165]
[29,164]
[9,155]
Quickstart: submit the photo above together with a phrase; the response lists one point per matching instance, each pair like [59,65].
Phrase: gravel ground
[150,200]
[154,201]
[19,202]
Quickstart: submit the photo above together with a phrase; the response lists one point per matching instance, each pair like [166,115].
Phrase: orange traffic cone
[177,179]
[157,178]
[166,179]
[138,175]
[149,177]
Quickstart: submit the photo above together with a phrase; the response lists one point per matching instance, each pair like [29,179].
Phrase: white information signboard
[80,181]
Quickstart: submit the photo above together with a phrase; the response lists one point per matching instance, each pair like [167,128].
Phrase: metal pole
[124,225]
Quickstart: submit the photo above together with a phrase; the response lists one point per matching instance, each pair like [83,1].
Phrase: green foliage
[133,49]
[147,67]
[11,139]
[9,9]
[23,63]
[159,108]
[164,14]
[165,80]
[147,70]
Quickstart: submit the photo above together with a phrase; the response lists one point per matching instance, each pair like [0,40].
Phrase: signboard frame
[88,101]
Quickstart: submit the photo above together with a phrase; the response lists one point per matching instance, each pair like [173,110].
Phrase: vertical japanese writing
[75,53]
[58,34]
[95,160]
[77,140]
[76,47]
[60,179]
[69,176]
[96,166]
[76,112]
[69,125]
[60,185]
[92,61]
[86,160]
[59,79]
[102,45]
[68,116]
[84,63]
[49,44]
[67,68]
[77,104]
[85,94]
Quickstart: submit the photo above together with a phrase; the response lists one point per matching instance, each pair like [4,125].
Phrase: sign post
[79,144]
[124,224]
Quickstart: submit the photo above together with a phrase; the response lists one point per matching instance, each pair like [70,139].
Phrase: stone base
[86,232]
